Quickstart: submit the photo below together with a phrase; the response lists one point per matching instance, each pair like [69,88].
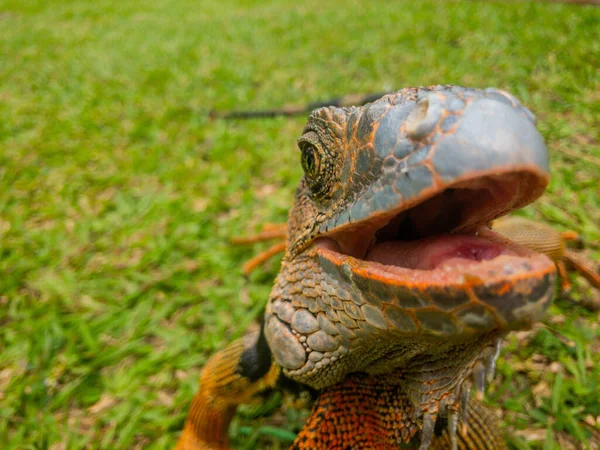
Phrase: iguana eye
[317,164]
[310,159]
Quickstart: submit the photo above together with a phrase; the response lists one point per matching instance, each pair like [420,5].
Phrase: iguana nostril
[424,117]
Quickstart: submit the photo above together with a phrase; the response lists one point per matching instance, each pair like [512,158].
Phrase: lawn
[118,195]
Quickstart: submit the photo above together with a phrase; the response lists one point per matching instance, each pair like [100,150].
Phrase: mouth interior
[447,231]
[441,251]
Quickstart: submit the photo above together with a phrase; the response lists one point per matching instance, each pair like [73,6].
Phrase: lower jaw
[423,261]
[508,293]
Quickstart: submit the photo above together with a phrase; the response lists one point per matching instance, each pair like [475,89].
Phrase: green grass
[118,195]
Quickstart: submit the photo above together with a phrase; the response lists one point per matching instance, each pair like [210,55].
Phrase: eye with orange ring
[314,164]
[310,159]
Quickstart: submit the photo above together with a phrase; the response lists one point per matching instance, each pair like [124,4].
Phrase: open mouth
[443,238]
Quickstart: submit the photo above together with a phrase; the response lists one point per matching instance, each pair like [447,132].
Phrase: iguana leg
[482,431]
[565,283]
[543,238]
[365,412]
[269,231]
[257,260]
[584,268]
[230,377]
[570,236]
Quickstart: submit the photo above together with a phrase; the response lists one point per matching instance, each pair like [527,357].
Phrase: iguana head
[390,263]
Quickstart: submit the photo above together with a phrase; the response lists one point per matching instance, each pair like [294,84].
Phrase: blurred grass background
[118,196]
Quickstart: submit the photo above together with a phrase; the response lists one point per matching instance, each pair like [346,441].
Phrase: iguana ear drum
[255,361]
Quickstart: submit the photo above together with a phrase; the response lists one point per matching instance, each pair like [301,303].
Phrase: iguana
[393,294]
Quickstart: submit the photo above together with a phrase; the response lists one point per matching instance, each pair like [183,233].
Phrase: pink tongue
[436,251]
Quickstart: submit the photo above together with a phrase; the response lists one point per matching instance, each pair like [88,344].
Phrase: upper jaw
[463,207]
[448,139]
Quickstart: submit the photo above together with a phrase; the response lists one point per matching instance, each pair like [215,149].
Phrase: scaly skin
[382,183]
[372,412]
[222,388]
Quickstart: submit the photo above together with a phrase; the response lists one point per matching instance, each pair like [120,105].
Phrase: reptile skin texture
[372,412]
[394,294]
